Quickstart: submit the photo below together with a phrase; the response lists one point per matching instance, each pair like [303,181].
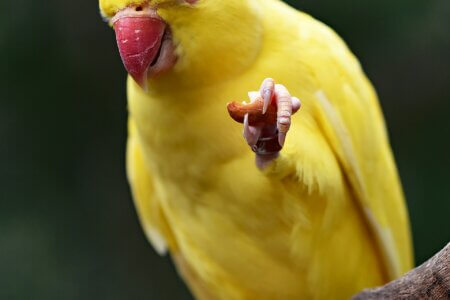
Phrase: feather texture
[325,220]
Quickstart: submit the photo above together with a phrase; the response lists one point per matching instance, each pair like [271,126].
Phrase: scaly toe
[296,104]
[285,105]
[267,91]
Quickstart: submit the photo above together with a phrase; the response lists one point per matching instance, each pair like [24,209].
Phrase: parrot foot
[267,139]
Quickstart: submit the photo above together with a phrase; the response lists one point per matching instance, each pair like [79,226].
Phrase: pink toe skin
[281,138]
[296,104]
[251,133]
[286,107]
[284,104]
[267,91]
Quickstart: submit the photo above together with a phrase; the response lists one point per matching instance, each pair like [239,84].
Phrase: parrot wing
[348,115]
[341,114]
[370,170]
[341,139]
[150,214]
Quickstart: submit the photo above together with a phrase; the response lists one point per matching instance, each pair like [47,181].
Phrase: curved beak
[139,39]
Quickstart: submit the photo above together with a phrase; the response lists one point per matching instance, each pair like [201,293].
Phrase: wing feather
[371,206]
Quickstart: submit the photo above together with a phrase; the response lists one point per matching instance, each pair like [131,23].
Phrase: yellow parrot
[316,210]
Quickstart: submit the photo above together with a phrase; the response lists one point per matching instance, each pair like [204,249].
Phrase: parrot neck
[212,47]
[182,120]
[184,134]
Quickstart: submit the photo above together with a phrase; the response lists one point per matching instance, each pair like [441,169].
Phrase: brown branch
[429,281]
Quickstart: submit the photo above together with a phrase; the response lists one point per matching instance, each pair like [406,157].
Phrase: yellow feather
[325,220]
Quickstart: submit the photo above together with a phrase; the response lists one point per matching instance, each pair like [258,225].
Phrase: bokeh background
[68,229]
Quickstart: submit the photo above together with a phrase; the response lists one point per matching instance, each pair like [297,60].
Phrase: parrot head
[191,41]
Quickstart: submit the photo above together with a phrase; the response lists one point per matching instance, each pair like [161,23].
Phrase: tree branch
[429,281]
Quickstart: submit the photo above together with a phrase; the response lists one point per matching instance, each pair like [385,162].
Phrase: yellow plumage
[325,220]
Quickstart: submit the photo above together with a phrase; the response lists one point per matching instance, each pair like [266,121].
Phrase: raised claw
[285,105]
[267,119]
[251,133]
[267,91]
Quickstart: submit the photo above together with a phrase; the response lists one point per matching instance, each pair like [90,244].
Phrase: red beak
[139,41]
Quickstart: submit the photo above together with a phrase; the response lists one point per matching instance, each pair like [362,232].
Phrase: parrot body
[325,220]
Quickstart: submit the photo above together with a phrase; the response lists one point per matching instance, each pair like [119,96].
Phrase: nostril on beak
[139,8]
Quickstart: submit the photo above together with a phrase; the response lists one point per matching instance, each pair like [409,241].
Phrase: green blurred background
[68,229]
